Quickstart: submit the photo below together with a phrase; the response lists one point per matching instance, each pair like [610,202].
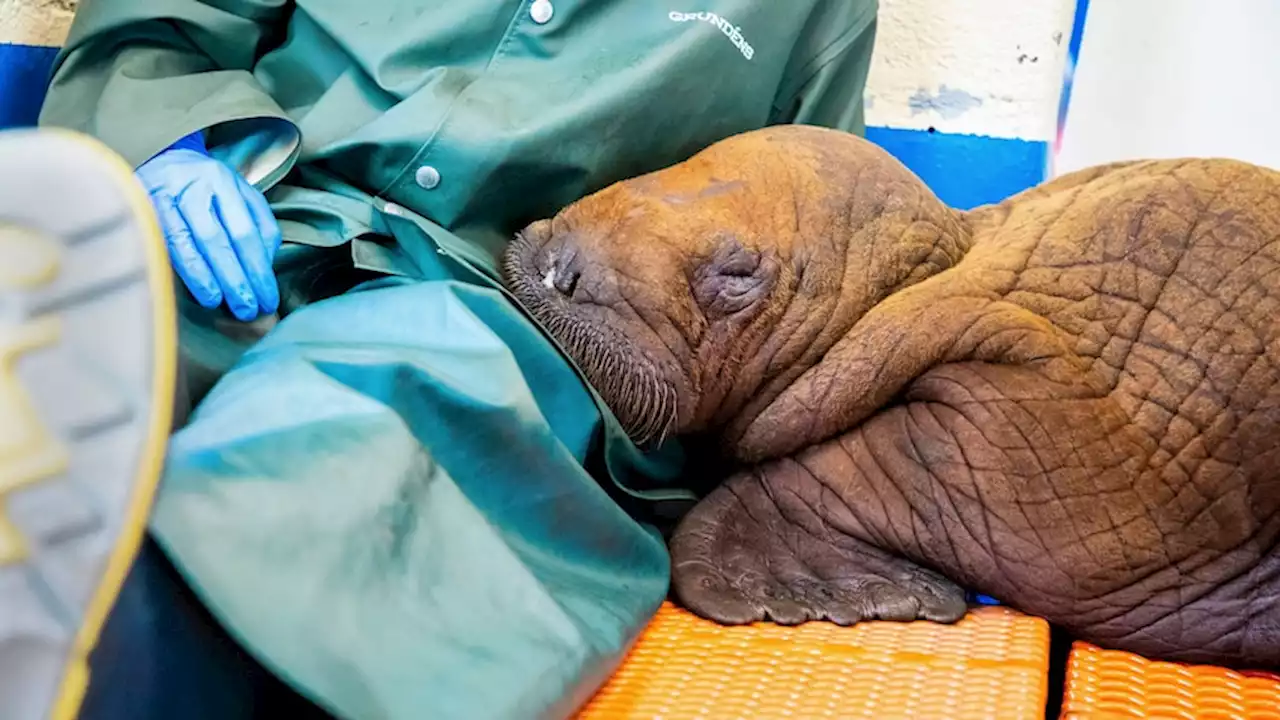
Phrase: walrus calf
[1069,400]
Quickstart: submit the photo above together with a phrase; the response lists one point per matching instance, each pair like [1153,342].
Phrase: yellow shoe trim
[28,451]
[32,259]
[151,462]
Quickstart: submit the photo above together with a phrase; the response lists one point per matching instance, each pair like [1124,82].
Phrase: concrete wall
[35,22]
[1172,78]
[982,67]
[29,30]
[964,92]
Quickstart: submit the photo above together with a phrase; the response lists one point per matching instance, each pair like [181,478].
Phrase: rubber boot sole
[88,350]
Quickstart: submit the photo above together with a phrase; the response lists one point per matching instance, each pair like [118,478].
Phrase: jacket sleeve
[827,88]
[140,75]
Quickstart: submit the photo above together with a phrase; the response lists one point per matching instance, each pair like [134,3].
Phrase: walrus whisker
[645,412]
[659,405]
[646,406]
[670,413]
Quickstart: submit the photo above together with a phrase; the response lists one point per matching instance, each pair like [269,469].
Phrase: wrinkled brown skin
[1068,401]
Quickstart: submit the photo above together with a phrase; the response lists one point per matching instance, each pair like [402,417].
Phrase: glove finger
[197,207]
[260,209]
[185,257]
[249,245]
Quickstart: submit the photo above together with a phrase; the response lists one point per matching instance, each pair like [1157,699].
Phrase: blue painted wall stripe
[1068,81]
[24,76]
[964,170]
[1077,29]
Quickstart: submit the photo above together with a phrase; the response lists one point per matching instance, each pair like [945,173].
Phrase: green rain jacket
[403,499]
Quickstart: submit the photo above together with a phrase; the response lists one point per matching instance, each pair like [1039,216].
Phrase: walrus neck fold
[885,250]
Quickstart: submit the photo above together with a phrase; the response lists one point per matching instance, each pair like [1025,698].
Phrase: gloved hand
[221,235]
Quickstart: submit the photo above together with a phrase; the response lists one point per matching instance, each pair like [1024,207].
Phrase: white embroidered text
[733,33]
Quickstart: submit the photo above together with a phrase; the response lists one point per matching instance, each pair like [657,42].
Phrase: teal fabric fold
[387,495]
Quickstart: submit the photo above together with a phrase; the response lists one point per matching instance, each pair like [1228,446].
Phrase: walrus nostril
[562,272]
[567,281]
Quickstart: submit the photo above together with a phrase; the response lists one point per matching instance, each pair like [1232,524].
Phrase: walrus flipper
[756,549]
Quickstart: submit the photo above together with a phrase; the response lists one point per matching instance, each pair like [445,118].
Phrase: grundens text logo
[733,33]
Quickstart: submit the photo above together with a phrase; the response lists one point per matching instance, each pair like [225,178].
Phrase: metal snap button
[427,177]
[541,11]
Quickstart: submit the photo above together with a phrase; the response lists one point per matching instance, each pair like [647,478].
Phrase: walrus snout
[569,282]
[559,266]
[539,263]
[520,260]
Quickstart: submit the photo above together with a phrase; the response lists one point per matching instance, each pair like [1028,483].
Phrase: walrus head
[692,296]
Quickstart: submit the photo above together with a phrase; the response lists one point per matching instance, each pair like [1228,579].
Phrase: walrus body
[1069,400]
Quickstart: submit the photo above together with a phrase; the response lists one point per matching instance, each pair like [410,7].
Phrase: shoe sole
[88,352]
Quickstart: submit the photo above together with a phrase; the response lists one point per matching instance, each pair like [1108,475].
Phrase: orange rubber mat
[992,664]
[1112,685]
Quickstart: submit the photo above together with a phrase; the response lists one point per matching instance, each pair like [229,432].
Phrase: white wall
[975,67]
[1174,78]
[36,22]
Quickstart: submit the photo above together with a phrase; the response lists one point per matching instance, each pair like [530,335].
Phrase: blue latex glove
[221,235]
[977,599]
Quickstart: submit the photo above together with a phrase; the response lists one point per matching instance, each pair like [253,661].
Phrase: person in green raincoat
[392,489]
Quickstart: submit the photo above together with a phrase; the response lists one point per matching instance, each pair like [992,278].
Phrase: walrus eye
[732,279]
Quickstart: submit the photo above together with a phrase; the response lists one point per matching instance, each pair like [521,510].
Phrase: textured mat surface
[1110,685]
[992,664]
